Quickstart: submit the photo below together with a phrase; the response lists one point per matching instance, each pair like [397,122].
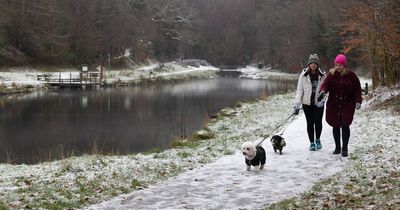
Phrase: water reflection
[52,125]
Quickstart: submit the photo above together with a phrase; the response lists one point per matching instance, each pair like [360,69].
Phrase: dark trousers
[314,121]
[345,137]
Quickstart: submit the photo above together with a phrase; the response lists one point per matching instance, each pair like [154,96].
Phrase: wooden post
[84,72]
[101,72]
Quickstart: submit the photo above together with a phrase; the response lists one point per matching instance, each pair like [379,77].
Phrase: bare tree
[230,32]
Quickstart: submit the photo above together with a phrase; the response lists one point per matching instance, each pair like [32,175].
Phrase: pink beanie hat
[341,59]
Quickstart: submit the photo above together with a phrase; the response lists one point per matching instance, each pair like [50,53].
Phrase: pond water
[50,125]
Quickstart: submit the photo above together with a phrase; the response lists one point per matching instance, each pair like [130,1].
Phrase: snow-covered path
[225,184]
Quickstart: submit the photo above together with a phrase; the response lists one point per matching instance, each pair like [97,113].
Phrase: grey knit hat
[313,59]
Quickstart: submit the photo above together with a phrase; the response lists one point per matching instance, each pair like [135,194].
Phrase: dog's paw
[248,168]
[261,167]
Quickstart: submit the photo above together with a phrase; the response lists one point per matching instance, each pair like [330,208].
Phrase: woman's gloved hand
[297,107]
[321,96]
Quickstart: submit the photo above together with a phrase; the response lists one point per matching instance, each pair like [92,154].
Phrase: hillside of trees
[280,33]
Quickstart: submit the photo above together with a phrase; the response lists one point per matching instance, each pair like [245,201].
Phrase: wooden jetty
[84,80]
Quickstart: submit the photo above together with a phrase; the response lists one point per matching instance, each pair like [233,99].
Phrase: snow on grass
[158,72]
[382,94]
[265,73]
[80,181]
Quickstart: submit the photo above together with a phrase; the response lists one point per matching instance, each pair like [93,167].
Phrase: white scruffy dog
[254,155]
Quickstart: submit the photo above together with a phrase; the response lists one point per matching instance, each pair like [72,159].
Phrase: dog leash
[276,128]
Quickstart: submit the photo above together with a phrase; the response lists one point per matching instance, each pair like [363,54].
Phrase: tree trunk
[21,28]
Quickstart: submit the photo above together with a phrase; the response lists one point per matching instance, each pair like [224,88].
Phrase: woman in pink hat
[344,97]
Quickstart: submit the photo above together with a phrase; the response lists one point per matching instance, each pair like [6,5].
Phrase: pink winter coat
[344,92]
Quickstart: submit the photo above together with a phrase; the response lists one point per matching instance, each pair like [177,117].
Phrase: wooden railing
[84,79]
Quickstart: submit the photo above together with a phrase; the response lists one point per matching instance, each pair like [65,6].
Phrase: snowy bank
[19,80]
[265,73]
[159,72]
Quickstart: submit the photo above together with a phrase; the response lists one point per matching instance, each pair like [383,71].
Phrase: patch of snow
[19,78]
[381,94]
[149,67]
[264,73]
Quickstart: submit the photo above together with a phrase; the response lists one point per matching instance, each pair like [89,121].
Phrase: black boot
[336,151]
[336,136]
[344,153]
[344,149]
[345,137]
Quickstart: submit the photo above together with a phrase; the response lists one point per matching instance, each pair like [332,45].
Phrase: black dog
[254,155]
[278,142]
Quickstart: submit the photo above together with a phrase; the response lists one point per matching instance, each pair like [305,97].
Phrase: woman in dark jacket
[344,97]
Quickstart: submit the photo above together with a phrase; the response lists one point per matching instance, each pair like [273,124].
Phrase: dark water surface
[51,125]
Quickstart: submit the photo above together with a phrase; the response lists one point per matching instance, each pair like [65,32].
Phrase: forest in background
[277,33]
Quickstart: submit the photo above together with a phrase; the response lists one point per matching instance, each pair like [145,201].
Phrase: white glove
[321,103]
[358,105]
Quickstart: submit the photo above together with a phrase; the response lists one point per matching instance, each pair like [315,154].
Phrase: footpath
[225,184]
